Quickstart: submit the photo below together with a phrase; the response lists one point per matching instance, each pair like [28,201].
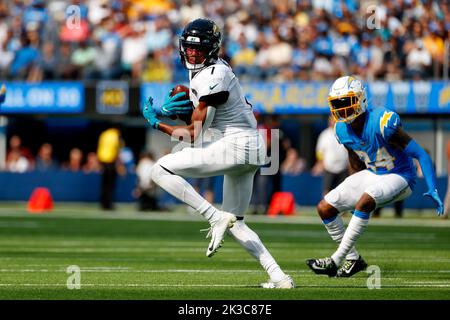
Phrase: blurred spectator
[6,57]
[44,159]
[35,15]
[17,162]
[157,69]
[293,164]
[75,160]
[303,58]
[126,158]
[418,61]
[322,68]
[134,51]
[433,43]
[25,59]
[48,62]
[15,145]
[190,10]
[277,40]
[108,51]
[109,144]
[92,164]
[332,159]
[64,67]
[146,188]
[83,58]
[244,59]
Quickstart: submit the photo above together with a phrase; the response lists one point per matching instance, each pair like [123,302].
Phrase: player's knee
[157,172]
[366,203]
[325,210]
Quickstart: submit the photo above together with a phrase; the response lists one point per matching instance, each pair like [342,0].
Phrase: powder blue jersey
[373,147]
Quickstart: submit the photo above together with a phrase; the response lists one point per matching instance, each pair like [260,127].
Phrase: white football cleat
[286,283]
[217,232]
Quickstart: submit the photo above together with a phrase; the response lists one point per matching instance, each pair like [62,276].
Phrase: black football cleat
[323,266]
[350,267]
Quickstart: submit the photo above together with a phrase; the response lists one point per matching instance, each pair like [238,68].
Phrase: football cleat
[350,267]
[323,266]
[217,231]
[286,283]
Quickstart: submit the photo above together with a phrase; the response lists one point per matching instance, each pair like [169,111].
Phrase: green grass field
[130,255]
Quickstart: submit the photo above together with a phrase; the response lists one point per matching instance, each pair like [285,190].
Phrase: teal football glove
[173,107]
[435,196]
[150,114]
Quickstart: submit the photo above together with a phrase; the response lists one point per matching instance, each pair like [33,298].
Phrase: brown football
[180,88]
[177,89]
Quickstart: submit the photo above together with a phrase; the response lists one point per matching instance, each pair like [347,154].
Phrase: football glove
[150,114]
[433,194]
[173,107]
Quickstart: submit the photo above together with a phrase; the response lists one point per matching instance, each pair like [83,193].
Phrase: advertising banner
[43,97]
[404,97]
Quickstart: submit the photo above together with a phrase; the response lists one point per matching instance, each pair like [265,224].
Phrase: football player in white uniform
[236,149]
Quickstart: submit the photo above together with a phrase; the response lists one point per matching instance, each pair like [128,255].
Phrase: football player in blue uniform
[381,157]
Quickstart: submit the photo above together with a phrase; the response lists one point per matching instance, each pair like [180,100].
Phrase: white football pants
[384,189]
[237,161]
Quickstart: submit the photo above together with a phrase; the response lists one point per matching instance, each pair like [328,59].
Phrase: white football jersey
[233,116]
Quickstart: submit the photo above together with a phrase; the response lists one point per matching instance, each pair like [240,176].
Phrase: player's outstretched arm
[402,140]
[355,162]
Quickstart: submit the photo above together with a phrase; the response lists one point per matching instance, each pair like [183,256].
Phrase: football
[180,88]
[177,89]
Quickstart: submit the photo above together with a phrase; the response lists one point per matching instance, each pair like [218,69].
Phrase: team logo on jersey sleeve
[384,121]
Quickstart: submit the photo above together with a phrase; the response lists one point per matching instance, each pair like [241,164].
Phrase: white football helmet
[347,99]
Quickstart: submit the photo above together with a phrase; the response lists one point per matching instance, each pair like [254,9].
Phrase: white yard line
[149,285]
[92,214]
[231,271]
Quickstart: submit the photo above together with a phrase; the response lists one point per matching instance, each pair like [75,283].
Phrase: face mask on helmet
[345,108]
[194,56]
[199,44]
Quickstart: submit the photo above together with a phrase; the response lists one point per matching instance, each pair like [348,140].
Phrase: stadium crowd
[264,40]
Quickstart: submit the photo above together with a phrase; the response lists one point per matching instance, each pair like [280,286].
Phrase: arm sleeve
[414,150]
[215,99]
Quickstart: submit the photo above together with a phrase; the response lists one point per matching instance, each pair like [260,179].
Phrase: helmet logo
[193,39]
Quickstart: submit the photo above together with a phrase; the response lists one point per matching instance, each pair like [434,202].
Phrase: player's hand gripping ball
[180,106]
